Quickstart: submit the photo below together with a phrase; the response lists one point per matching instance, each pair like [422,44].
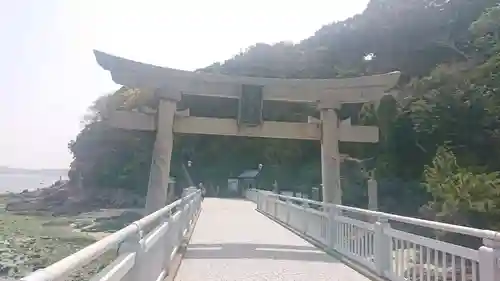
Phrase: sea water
[17,182]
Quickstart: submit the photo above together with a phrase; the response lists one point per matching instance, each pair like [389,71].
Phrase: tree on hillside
[461,195]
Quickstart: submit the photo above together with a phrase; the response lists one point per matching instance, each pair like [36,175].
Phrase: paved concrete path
[232,241]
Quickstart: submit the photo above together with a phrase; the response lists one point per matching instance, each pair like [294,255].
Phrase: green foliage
[460,189]
[109,157]
[486,29]
[458,192]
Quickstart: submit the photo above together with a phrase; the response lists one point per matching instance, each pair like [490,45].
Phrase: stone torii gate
[170,85]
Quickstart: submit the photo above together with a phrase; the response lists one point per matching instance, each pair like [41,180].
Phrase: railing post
[182,222]
[136,244]
[199,201]
[332,223]
[264,199]
[489,260]
[305,221]
[169,244]
[258,200]
[305,205]
[175,229]
[288,210]
[382,247]
[276,200]
[271,206]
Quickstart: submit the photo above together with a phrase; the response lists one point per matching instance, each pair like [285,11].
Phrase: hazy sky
[48,75]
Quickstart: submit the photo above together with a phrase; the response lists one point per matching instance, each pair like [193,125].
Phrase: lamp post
[186,172]
[257,180]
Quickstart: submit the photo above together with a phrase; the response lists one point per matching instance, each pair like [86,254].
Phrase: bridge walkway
[232,241]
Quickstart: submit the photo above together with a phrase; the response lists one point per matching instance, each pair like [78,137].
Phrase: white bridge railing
[372,240]
[144,249]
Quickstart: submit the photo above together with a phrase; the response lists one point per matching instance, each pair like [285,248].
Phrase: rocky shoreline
[64,198]
[38,228]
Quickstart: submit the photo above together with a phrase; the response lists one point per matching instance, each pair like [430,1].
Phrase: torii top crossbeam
[145,76]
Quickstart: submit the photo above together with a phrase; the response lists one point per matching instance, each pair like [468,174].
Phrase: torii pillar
[330,155]
[159,176]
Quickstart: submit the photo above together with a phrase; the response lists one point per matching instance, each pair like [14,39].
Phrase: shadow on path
[257,251]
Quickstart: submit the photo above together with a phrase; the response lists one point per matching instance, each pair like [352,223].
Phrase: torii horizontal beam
[228,127]
[146,76]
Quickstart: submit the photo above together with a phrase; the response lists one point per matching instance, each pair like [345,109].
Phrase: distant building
[247,179]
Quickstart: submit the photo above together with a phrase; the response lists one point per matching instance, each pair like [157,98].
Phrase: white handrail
[480,233]
[133,231]
[390,253]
